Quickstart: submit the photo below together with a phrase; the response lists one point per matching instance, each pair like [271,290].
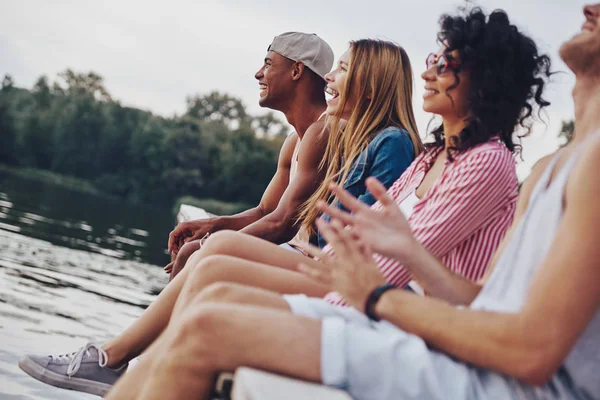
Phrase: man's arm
[198,228]
[280,225]
[444,284]
[386,232]
[532,343]
[529,343]
[271,196]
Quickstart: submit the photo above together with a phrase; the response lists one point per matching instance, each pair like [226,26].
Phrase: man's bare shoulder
[290,141]
[314,141]
[287,150]
[536,172]
[527,187]
[590,157]
[584,177]
[316,131]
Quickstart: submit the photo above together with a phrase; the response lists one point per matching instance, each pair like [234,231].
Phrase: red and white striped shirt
[462,219]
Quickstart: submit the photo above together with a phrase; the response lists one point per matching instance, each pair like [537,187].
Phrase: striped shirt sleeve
[458,208]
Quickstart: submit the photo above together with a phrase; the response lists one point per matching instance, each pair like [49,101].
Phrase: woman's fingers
[379,191]
[330,234]
[348,240]
[335,212]
[349,201]
[315,273]
[315,252]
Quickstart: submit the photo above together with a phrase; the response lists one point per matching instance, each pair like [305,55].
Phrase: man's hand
[386,231]
[351,271]
[188,231]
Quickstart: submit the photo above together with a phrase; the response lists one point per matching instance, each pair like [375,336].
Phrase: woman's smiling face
[336,84]
[440,96]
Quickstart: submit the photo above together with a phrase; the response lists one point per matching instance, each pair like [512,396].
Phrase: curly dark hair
[506,72]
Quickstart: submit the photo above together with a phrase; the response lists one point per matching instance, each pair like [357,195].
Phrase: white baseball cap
[307,48]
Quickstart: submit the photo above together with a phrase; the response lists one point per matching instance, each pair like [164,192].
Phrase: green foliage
[269,125]
[8,128]
[73,127]
[567,130]
[217,107]
[7,82]
[40,175]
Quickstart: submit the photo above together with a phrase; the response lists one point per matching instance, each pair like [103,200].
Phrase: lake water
[73,268]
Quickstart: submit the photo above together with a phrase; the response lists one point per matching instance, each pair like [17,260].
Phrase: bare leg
[217,268]
[184,254]
[137,337]
[218,337]
[241,245]
[228,293]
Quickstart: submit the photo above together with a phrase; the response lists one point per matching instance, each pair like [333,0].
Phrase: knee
[194,259]
[186,253]
[199,330]
[192,255]
[220,292]
[187,250]
[205,270]
[200,320]
[221,242]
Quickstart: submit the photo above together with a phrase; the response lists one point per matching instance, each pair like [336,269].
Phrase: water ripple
[54,299]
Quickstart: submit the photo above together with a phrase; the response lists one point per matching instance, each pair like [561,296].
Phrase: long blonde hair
[380,77]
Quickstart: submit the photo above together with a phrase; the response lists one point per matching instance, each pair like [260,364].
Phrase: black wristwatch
[373,298]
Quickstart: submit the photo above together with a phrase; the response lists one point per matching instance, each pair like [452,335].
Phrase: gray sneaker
[84,370]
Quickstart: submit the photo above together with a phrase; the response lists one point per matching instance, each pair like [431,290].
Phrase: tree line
[72,126]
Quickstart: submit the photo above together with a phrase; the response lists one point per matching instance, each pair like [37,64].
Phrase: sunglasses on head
[441,62]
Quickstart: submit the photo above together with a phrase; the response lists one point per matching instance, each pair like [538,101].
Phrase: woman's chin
[431,107]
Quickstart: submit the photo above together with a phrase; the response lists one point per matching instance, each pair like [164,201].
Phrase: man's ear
[297,70]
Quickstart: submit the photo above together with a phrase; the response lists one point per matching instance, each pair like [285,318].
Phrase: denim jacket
[386,157]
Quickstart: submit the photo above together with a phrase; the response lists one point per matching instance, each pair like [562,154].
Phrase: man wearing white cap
[291,80]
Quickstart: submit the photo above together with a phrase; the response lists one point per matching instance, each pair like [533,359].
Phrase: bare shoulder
[527,187]
[287,150]
[290,142]
[316,132]
[314,142]
[536,172]
[583,179]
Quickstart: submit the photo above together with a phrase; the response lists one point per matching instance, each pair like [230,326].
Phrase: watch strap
[373,298]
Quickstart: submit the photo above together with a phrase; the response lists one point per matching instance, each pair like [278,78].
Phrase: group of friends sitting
[375,263]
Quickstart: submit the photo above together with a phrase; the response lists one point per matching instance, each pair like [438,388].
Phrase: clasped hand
[186,232]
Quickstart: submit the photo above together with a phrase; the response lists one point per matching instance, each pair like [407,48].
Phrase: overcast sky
[153,54]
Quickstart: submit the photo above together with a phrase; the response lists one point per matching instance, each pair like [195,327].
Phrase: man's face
[274,80]
[582,52]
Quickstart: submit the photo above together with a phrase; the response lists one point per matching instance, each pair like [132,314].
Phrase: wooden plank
[252,384]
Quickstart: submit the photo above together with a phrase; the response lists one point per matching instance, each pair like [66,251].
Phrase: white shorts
[379,361]
[289,247]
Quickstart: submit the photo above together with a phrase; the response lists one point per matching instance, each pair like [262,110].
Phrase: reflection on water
[73,268]
[82,221]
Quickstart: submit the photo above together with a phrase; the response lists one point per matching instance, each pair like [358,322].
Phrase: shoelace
[77,357]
